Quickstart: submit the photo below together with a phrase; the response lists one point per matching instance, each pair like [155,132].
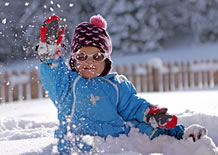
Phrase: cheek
[78,66]
[101,66]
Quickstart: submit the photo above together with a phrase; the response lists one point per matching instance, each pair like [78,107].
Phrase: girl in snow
[90,100]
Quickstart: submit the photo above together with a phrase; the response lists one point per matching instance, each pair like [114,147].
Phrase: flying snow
[71,5]
[7,4]
[4,21]
[51,9]
[58,5]
[26,3]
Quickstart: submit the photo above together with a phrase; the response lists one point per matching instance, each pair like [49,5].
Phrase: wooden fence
[172,76]
[22,85]
[150,77]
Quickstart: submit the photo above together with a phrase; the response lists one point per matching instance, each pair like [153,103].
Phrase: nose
[89,59]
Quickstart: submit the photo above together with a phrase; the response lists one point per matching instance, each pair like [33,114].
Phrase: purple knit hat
[92,34]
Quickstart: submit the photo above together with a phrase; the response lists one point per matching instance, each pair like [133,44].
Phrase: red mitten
[51,32]
[51,35]
[158,117]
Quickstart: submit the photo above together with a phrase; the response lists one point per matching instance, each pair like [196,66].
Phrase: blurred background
[159,45]
[135,26]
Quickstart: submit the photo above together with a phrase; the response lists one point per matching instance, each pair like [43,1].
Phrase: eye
[81,56]
[98,56]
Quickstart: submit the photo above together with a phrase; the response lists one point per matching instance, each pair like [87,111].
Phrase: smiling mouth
[89,68]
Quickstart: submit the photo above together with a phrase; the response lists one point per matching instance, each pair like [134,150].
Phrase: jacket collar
[111,75]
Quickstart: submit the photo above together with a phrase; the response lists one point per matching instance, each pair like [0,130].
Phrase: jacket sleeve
[55,77]
[130,105]
[176,132]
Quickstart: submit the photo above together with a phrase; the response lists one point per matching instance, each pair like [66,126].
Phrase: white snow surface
[27,127]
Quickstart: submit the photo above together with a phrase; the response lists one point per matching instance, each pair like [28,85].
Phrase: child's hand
[51,36]
[158,117]
[195,131]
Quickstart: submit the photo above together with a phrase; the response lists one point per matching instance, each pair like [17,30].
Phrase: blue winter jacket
[99,107]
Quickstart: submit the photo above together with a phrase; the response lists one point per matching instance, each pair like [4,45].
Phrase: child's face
[89,68]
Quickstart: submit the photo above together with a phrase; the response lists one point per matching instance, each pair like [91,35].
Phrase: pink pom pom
[99,21]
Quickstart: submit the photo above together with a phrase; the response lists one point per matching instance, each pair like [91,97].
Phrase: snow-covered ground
[27,127]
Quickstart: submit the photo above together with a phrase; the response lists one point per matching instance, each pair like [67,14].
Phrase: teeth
[89,68]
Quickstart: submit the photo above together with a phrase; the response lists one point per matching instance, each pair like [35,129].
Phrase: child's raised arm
[53,71]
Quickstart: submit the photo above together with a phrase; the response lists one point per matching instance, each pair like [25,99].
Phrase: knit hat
[92,33]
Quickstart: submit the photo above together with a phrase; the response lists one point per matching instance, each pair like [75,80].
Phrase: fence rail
[154,76]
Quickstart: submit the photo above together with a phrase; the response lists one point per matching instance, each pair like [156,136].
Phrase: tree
[203,19]
[134,26]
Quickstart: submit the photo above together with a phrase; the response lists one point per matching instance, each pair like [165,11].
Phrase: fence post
[176,75]
[169,76]
[15,87]
[6,86]
[183,74]
[155,77]
[215,73]
[208,74]
[164,78]
[134,76]
[148,77]
[196,78]
[188,74]
[117,69]
[142,79]
[125,71]
[24,87]
[34,84]
[44,93]
[202,76]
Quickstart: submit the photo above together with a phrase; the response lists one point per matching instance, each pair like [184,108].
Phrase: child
[89,99]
